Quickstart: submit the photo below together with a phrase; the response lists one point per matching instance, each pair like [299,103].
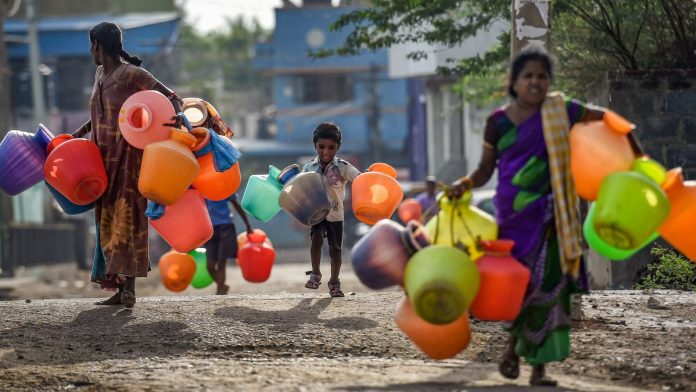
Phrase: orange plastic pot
[597,150]
[436,341]
[185,224]
[176,270]
[409,209]
[214,185]
[74,168]
[504,281]
[142,117]
[256,258]
[376,194]
[168,168]
[680,226]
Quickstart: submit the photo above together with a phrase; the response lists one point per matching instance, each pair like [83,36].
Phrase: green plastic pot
[202,278]
[260,198]
[604,249]
[650,168]
[441,282]
[629,209]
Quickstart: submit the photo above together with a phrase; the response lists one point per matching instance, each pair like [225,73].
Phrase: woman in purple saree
[516,141]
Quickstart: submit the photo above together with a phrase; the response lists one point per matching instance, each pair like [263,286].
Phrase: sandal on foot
[128,298]
[335,290]
[509,367]
[314,280]
[538,378]
[113,300]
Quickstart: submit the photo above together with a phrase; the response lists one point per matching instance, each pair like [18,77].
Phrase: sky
[209,14]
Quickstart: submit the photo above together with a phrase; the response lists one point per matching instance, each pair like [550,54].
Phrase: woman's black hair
[327,130]
[531,53]
[110,37]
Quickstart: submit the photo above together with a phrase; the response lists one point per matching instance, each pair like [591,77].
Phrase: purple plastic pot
[22,157]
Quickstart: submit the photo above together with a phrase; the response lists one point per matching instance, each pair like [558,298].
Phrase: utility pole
[373,114]
[37,89]
[530,24]
[6,216]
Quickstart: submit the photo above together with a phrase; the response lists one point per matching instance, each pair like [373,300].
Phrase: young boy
[335,173]
[223,244]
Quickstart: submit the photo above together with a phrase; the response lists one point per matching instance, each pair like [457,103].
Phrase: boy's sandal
[314,280]
[335,290]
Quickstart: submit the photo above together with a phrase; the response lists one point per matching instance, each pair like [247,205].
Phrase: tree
[588,36]
[230,50]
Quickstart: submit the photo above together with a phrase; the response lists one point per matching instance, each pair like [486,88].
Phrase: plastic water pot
[376,194]
[458,223]
[185,224]
[201,278]
[680,226]
[596,150]
[605,249]
[304,198]
[436,341]
[243,238]
[441,282]
[168,168]
[380,256]
[409,209]
[176,270]
[630,207]
[195,111]
[503,284]
[66,205]
[256,258]
[74,167]
[22,156]
[142,117]
[260,198]
[214,185]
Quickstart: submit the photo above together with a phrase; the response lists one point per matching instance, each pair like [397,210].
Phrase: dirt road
[280,336]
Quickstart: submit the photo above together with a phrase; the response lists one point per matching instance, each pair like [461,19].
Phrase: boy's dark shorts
[332,231]
[223,244]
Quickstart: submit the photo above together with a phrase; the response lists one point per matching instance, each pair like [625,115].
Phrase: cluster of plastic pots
[72,168]
[178,168]
[443,283]
[178,270]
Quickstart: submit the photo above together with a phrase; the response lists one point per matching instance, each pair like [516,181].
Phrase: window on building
[323,88]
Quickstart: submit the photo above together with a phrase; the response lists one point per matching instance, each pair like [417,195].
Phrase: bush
[669,271]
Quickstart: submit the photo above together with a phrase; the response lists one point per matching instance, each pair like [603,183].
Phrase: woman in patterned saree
[537,207]
[121,253]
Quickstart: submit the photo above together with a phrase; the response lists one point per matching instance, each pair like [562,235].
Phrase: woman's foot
[222,290]
[114,300]
[509,365]
[539,378]
[128,298]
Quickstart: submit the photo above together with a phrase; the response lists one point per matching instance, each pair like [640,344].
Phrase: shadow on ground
[304,313]
[95,334]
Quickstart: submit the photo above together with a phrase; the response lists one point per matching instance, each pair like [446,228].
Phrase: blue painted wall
[286,57]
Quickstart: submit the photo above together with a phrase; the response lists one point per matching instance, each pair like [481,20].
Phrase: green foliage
[229,50]
[589,37]
[669,271]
